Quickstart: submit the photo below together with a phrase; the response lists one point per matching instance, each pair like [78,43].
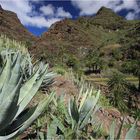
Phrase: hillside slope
[106,35]
[74,39]
[11,26]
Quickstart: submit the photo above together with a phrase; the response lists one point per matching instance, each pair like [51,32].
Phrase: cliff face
[11,26]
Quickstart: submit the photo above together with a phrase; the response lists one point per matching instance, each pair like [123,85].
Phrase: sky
[38,15]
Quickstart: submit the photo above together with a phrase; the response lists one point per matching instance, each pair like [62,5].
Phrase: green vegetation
[131,134]
[76,119]
[91,48]
[16,94]
[59,70]
[92,43]
[93,62]
[118,87]
[132,52]
[6,43]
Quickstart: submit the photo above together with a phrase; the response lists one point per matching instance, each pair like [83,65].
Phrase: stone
[131,119]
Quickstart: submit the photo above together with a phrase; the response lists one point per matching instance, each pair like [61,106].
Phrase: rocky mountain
[11,26]
[71,41]
[74,39]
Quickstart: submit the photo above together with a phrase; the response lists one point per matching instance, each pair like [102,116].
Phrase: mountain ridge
[76,37]
[11,26]
[72,40]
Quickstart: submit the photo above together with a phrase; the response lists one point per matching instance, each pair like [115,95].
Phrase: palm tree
[118,87]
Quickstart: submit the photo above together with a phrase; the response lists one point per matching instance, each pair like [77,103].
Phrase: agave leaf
[48,79]
[33,113]
[88,104]
[41,106]
[5,78]
[29,114]
[68,133]
[69,110]
[51,131]
[56,123]
[20,121]
[83,100]
[112,131]
[9,136]
[29,84]
[41,135]
[86,118]
[80,92]
[5,71]
[15,74]
[120,130]
[74,110]
[32,92]
[90,92]
[131,134]
[14,79]
[24,91]
[9,107]
[61,126]
[2,75]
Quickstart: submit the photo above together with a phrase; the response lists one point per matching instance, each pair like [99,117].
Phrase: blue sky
[38,15]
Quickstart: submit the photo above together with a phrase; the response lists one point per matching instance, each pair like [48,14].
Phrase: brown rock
[114,112]
[138,123]
[64,86]
[131,119]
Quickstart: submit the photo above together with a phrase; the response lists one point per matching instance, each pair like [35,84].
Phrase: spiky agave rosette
[15,95]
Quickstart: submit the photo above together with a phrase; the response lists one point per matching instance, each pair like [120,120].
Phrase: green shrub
[118,87]
[72,62]
[59,70]
[104,102]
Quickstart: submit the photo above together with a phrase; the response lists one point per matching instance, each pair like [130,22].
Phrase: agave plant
[15,95]
[130,135]
[81,109]
[28,67]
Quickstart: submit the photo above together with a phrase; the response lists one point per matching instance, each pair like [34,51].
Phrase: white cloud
[50,10]
[90,7]
[130,16]
[47,10]
[17,6]
[62,13]
[39,21]
[27,15]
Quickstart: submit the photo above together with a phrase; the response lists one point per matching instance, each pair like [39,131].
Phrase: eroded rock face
[11,26]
